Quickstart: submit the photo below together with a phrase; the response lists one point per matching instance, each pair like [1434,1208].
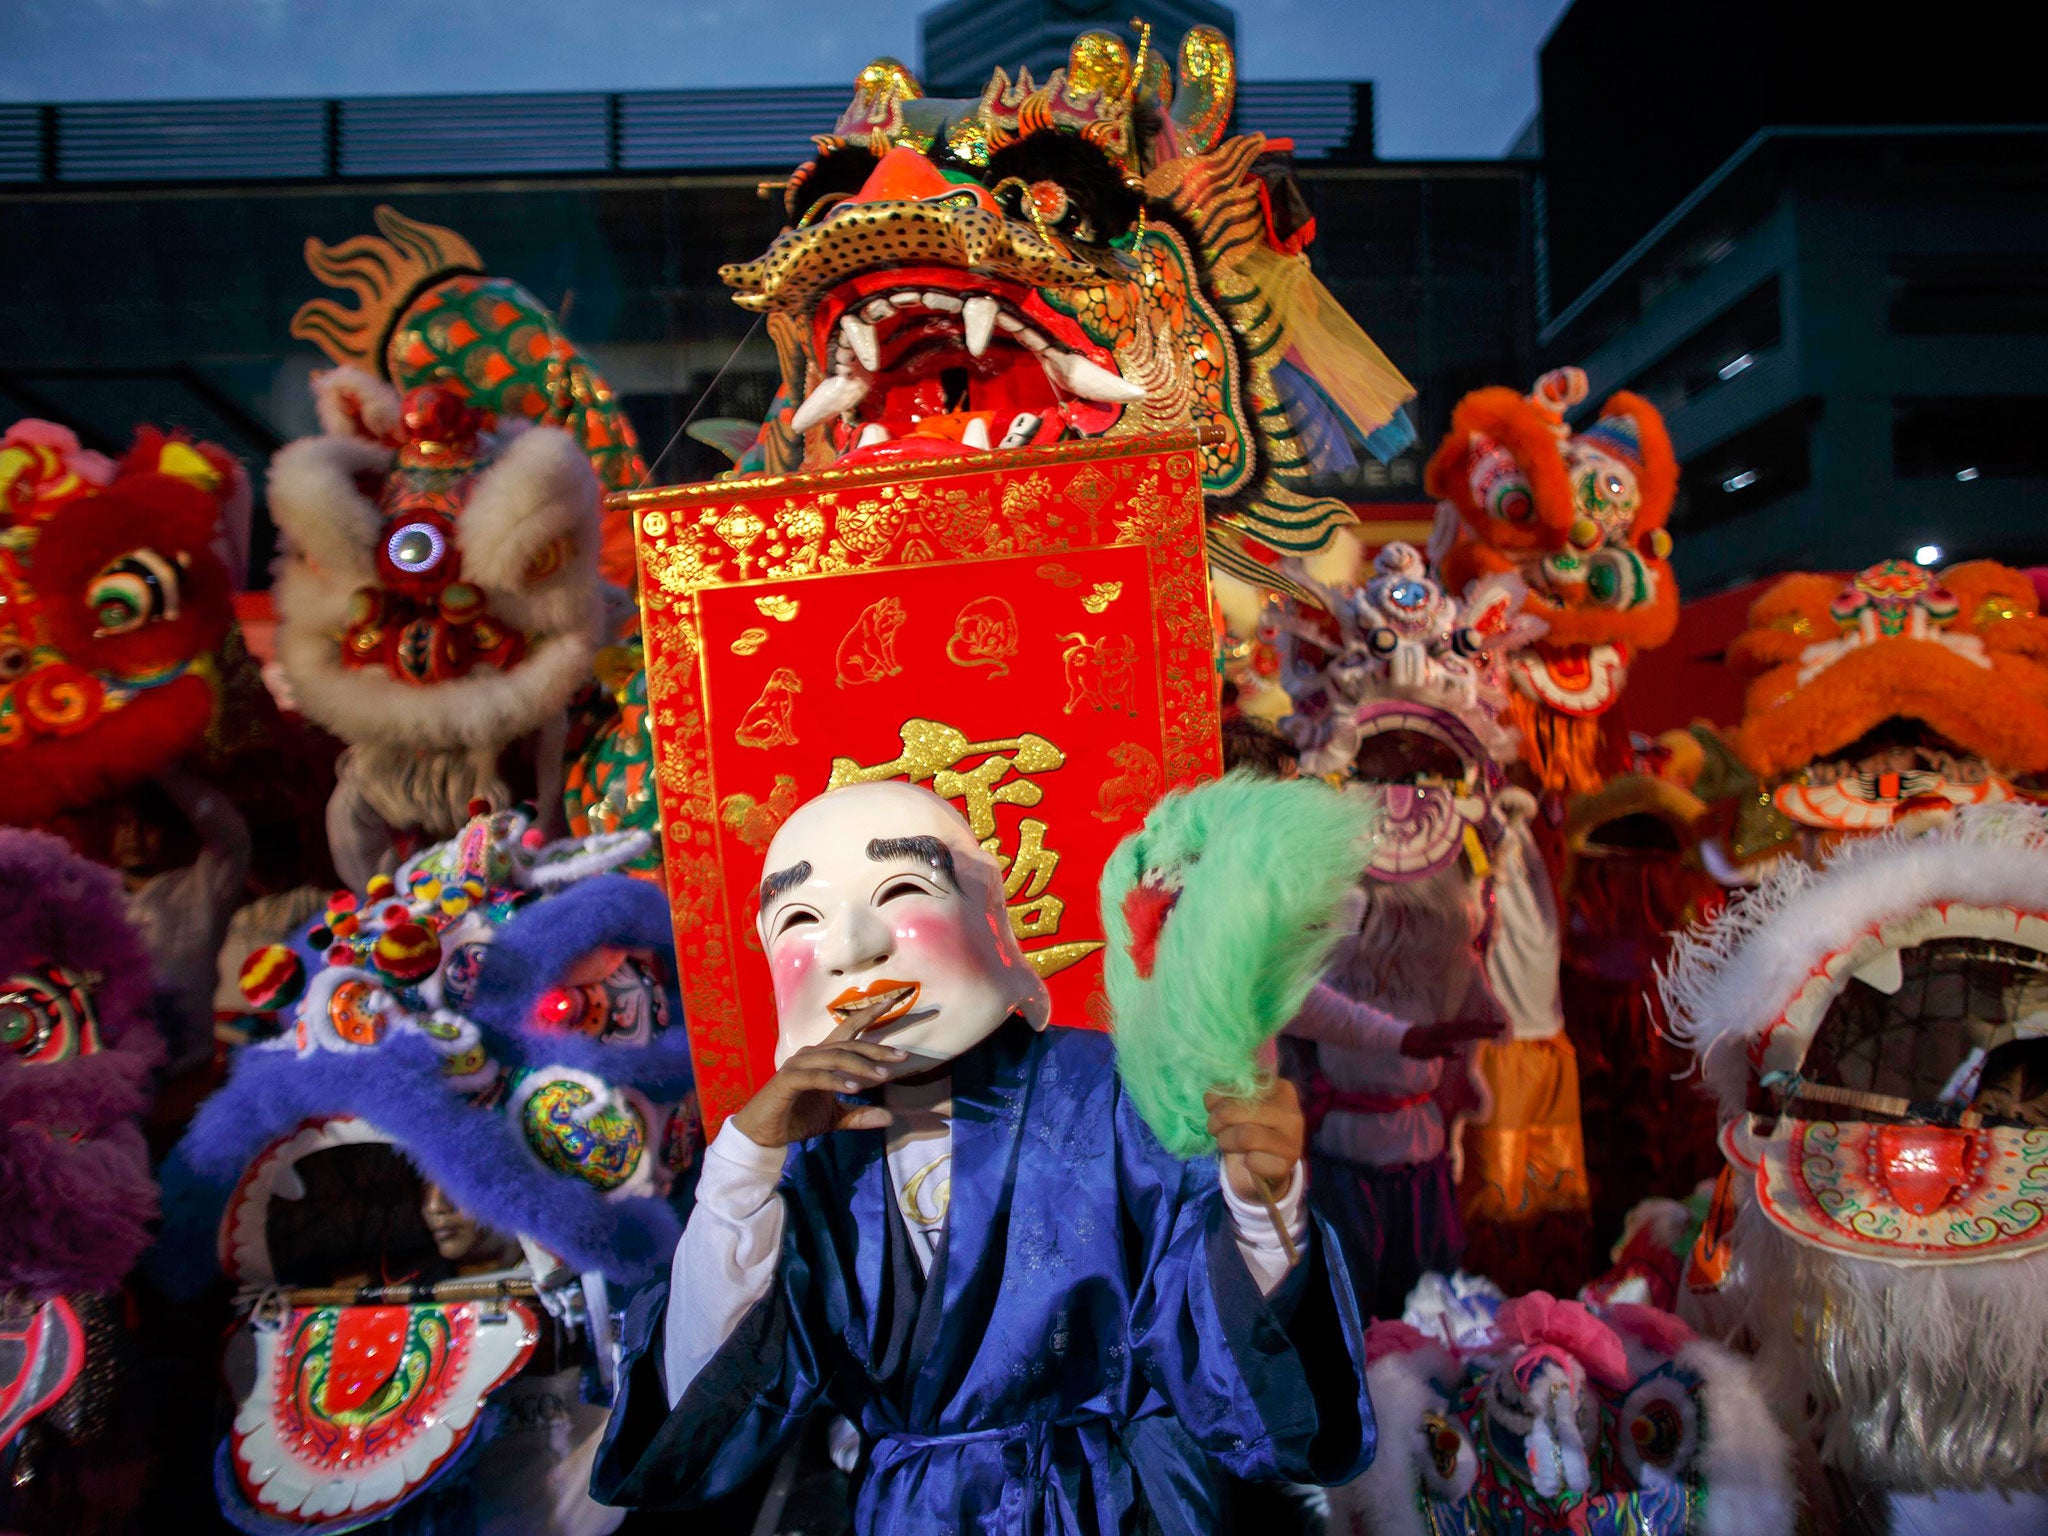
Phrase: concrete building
[1828,265]
[1847,331]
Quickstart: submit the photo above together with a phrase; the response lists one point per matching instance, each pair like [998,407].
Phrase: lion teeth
[861,337]
[1884,971]
[1023,427]
[842,392]
[944,302]
[877,309]
[980,323]
[874,432]
[976,435]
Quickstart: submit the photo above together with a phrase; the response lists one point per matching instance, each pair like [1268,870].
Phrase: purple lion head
[76,1049]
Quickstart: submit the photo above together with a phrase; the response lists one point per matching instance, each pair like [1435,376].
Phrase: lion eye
[132,591]
[46,1016]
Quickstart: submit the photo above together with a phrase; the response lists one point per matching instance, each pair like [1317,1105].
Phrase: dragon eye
[1611,579]
[131,591]
[416,548]
[563,1009]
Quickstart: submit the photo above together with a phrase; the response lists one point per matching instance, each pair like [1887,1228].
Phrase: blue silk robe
[1087,1348]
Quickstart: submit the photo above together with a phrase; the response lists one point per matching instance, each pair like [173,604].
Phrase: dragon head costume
[1409,696]
[1580,515]
[1533,1413]
[1899,693]
[113,600]
[1086,257]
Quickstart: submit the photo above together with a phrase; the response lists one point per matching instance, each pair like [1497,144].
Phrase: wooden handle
[1279,1222]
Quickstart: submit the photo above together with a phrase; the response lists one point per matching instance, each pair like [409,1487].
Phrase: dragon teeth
[980,323]
[1023,427]
[860,336]
[1090,381]
[841,392]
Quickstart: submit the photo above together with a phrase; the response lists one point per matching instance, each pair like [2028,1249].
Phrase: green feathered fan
[1221,914]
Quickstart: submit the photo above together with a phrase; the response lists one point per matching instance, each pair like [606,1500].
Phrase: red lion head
[112,600]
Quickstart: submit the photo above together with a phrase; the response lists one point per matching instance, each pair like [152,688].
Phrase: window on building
[1983,295]
[1749,470]
[1719,352]
[1970,437]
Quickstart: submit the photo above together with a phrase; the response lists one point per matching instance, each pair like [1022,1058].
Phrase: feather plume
[1220,913]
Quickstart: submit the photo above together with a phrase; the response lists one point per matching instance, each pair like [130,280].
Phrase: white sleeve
[726,1260]
[1252,1224]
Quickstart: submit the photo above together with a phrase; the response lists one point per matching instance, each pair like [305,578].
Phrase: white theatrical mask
[877,902]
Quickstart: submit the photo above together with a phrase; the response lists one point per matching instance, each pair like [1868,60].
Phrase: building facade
[1847,332]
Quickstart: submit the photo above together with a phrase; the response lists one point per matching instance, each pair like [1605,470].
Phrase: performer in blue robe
[1086,1332]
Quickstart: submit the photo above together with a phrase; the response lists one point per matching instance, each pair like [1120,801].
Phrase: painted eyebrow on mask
[922,850]
[784,880]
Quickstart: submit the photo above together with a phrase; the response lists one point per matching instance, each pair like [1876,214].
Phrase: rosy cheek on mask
[934,942]
[791,965]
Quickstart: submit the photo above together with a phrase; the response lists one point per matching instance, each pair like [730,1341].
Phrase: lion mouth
[1928,1032]
[937,363]
[1897,769]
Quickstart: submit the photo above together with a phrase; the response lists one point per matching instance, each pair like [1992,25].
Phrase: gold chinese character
[933,754]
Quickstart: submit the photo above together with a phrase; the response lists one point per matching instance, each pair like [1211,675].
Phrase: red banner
[1029,635]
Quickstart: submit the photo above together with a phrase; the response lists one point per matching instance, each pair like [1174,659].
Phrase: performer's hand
[1427,1042]
[1260,1139]
[800,1101]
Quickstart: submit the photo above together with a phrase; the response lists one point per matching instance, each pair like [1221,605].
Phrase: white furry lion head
[442,593]
[1876,1031]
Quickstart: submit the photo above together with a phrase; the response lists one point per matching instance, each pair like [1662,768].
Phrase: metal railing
[518,135]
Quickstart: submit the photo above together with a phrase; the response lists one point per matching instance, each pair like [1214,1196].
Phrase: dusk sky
[1454,77]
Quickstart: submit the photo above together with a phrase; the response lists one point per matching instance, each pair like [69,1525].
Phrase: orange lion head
[1902,690]
[1580,517]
